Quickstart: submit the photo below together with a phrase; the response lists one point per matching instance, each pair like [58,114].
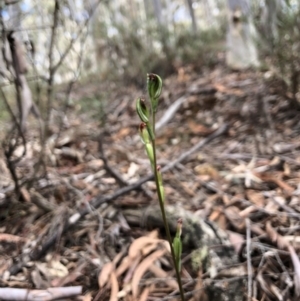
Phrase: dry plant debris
[70,227]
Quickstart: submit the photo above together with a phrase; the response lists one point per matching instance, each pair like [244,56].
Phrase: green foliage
[94,106]
[200,48]
[287,48]
[128,47]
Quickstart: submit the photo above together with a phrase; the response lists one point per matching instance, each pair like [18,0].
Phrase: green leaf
[177,244]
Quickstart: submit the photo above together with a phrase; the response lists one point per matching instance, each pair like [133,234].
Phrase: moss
[199,258]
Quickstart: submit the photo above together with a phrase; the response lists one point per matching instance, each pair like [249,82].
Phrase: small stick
[249,265]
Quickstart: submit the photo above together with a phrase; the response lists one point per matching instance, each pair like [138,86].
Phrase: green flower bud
[177,244]
[144,133]
[142,110]
[154,83]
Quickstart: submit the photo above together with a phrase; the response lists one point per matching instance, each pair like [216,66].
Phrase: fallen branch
[169,114]
[54,293]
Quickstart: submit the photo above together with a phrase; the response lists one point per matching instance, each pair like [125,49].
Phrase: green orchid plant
[147,133]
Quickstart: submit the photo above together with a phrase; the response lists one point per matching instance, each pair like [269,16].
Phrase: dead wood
[49,294]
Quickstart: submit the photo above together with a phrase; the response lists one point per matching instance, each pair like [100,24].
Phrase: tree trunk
[269,19]
[158,11]
[147,9]
[241,49]
[192,14]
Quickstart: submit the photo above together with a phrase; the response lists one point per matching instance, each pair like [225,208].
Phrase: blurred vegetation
[281,52]
[124,40]
[286,51]
[128,47]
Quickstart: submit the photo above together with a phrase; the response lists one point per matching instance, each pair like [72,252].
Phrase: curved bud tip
[179,227]
[154,83]
[142,126]
[142,110]
[144,133]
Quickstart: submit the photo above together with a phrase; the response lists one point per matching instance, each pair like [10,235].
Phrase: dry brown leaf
[52,269]
[138,244]
[246,212]
[148,249]
[144,294]
[131,269]
[226,199]
[199,129]
[218,217]
[153,234]
[223,89]
[215,214]
[114,287]
[275,237]
[199,292]
[124,293]
[105,273]
[122,133]
[207,169]
[256,197]
[118,258]
[71,277]
[255,228]
[233,215]
[87,297]
[282,243]
[263,283]
[159,273]
[126,262]
[11,238]
[286,169]
[237,240]
[293,240]
[277,181]
[296,263]
[141,269]
[25,194]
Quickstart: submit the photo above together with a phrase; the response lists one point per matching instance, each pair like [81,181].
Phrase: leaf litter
[252,171]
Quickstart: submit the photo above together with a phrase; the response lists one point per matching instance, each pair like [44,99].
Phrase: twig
[114,173]
[168,115]
[51,63]
[108,168]
[249,265]
[220,131]
[63,56]
[49,294]
[29,28]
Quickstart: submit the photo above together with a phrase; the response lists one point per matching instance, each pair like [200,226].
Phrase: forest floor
[73,223]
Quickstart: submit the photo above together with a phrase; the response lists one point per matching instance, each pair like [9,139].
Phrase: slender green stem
[163,212]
